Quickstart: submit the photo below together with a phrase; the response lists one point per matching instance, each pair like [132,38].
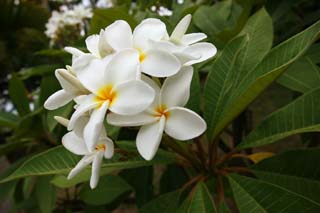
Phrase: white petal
[185,58]
[61,120]
[83,163]
[92,43]
[119,35]
[184,124]
[80,125]
[108,153]
[91,72]
[203,50]
[149,138]
[69,82]
[140,119]
[175,90]
[96,167]
[155,87]
[192,38]
[122,67]
[148,29]
[132,97]
[94,127]
[58,99]
[160,64]
[103,45]
[74,51]
[87,104]
[165,46]
[74,144]
[181,29]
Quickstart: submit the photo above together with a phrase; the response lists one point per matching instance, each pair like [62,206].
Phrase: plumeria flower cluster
[117,80]
[67,18]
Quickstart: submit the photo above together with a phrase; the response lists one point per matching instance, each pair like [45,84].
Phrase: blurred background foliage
[28,62]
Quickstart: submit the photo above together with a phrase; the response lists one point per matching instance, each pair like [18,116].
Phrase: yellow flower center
[101,147]
[106,94]
[161,110]
[142,55]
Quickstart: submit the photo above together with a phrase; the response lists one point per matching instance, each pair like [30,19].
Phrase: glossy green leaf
[60,161]
[104,17]
[261,76]
[253,195]
[218,81]
[18,95]
[301,115]
[45,194]
[108,190]
[8,119]
[168,202]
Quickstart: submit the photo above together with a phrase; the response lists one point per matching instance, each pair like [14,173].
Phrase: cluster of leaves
[213,173]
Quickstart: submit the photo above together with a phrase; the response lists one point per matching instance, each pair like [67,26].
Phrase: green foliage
[248,196]
[18,95]
[200,201]
[60,161]
[111,188]
[299,116]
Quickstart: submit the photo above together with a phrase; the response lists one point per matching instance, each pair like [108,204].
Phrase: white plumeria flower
[119,36]
[113,86]
[73,141]
[187,46]
[165,114]
[71,88]
[75,144]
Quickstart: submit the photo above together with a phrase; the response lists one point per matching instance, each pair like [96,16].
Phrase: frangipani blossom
[113,86]
[71,88]
[74,142]
[166,114]
[119,36]
[187,46]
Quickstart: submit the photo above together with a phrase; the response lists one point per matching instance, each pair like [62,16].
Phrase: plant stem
[181,151]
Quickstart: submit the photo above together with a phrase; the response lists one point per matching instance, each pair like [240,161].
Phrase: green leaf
[45,194]
[201,201]
[49,85]
[302,76]
[293,170]
[222,16]
[37,71]
[259,29]
[60,161]
[104,17]
[18,95]
[253,195]
[301,115]
[64,111]
[168,202]
[109,189]
[261,76]
[8,119]
[218,81]
[195,93]
[12,146]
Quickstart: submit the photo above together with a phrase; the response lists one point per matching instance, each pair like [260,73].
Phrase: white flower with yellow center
[75,144]
[186,46]
[73,141]
[113,86]
[166,114]
[71,88]
[119,36]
